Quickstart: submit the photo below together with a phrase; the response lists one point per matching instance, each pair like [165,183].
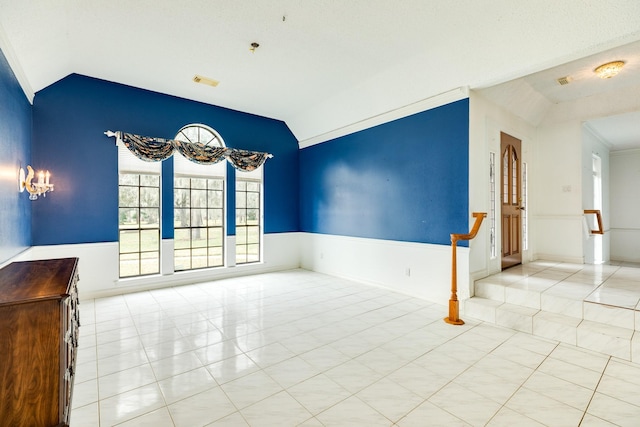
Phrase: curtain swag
[152,149]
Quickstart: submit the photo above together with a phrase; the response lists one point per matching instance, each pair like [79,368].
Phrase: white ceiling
[322,65]
[538,97]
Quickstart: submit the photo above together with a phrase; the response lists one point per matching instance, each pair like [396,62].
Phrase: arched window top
[200,133]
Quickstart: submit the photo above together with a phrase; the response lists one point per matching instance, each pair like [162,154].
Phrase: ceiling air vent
[564,80]
[205,80]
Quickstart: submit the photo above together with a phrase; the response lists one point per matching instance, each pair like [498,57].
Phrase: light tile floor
[302,348]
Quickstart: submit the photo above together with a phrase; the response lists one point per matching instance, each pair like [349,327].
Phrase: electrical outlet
[408,272]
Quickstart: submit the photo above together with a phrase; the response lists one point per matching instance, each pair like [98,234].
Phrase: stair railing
[454,304]
[596,212]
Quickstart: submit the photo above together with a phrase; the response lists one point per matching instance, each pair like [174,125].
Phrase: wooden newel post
[454,304]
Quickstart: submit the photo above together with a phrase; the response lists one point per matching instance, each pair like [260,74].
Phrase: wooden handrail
[454,304]
[596,212]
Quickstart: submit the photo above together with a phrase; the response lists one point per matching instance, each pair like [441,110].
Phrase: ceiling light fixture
[610,69]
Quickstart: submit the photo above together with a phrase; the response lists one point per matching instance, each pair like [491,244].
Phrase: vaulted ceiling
[321,65]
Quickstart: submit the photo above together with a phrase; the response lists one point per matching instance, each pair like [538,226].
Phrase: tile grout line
[595,389]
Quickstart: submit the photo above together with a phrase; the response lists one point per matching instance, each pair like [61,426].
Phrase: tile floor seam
[595,390]
[521,386]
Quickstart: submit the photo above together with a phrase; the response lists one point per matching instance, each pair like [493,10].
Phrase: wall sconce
[34,189]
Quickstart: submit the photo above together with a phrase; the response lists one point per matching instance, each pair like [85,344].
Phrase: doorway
[511,200]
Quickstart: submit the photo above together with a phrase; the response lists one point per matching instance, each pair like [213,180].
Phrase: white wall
[556,193]
[98,266]
[417,269]
[595,246]
[486,121]
[420,270]
[625,205]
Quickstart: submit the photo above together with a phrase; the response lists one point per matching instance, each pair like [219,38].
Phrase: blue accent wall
[404,180]
[69,119]
[15,152]
[166,188]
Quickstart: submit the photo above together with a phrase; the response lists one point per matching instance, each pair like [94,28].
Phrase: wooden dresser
[39,323]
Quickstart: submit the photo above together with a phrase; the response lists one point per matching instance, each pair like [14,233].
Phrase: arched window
[199,204]
[200,133]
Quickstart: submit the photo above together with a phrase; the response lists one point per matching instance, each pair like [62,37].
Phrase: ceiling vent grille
[564,80]
[205,80]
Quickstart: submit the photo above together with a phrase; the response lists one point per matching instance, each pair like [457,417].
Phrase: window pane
[181,182]
[150,180]
[182,259]
[199,258]
[149,197]
[198,217]
[253,200]
[128,218]
[129,265]
[128,179]
[241,200]
[128,197]
[182,239]
[253,234]
[241,235]
[198,198]
[215,199]
[198,237]
[150,218]
[191,133]
[150,263]
[215,257]
[514,178]
[181,218]
[505,176]
[181,198]
[215,237]
[241,185]
[253,186]
[253,253]
[149,240]
[200,183]
[241,218]
[205,135]
[215,217]
[129,241]
[215,184]
[253,216]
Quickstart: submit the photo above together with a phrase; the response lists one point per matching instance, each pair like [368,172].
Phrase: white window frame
[242,246]
[186,169]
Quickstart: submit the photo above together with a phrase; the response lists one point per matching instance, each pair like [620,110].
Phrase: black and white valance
[152,149]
